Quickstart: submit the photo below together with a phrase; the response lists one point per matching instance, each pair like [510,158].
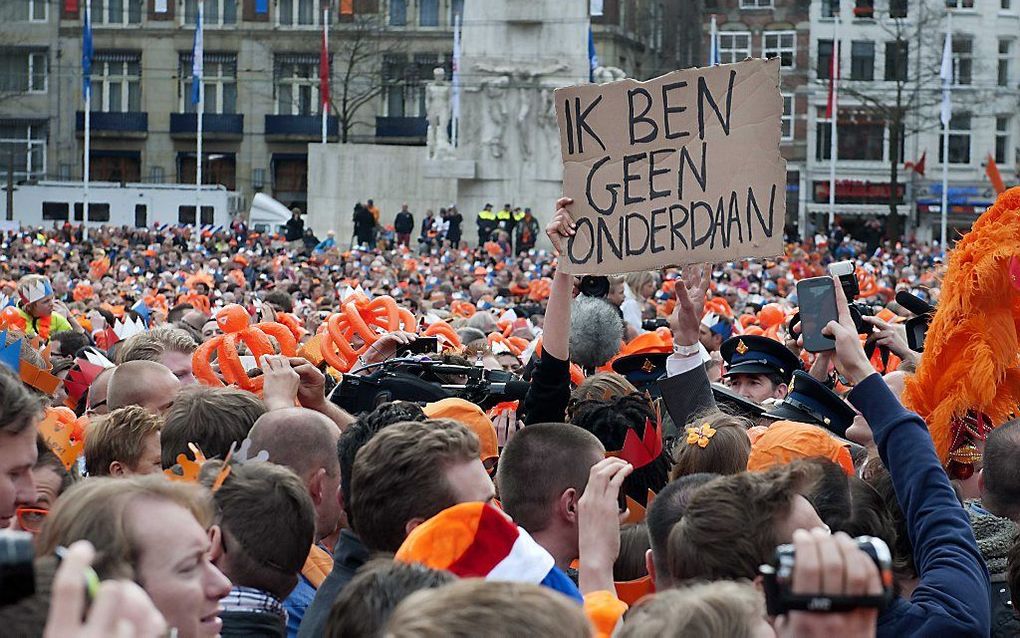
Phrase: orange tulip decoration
[234,321]
[364,318]
[444,331]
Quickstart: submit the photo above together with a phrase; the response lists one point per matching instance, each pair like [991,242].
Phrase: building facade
[768,29]
[889,109]
[261,82]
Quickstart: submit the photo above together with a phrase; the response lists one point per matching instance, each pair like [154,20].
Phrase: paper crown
[36,290]
[64,434]
[80,378]
[643,451]
[128,327]
[32,375]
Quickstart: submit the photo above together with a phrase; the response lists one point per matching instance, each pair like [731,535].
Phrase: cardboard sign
[681,169]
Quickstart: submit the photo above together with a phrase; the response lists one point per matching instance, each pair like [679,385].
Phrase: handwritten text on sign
[681,169]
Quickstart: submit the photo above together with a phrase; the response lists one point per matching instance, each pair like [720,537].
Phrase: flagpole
[199,65]
[946,115]
[455,126]
[87,86]
[325,44]
[713,46]
[833,120]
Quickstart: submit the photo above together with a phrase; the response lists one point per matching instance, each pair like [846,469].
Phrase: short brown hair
[729,527]
[398,476]
[118,436]
[726,452]
[538,464]
[266,510]
[473,607]
[705,610]
[366,603]
[602,386]
[150,346]
[19,408]
[96,510]
[211,418]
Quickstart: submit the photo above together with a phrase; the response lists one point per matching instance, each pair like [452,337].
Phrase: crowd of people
[401,434]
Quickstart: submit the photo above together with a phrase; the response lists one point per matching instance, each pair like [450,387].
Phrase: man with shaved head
[96,403]
[146,383]
[305,441]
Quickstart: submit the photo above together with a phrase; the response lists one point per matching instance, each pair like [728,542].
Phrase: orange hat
[787,441]
[470,415]
[771,315]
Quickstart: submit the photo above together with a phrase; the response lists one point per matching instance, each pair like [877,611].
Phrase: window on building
[297,85]
[959,4]
[157,175]
[782,45]
[959,139]
[963,60]
[37,10]
[217,168]
[896,59]
[22,71]
[219,80]
[862,60]
[117,82]
[115,166]
[1002,123]
[789,113]
[734,46]
[864,9]
[859,137]
[428,13]
[456,9]
[23,147]
[297,13]
[755,4]
[824,59]
[898,8]
[830,8]
[1005,4]
[215,12]
[1005,49]
[404,82]
[112,12]
[398,13]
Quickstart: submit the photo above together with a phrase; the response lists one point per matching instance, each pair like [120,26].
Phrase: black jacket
[348,556]
[549,392]
[403,223]
[686,395]
[241,624]
[295,229]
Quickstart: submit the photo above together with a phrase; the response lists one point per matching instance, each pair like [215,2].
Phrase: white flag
[160,6]
[596,7]
[946,73]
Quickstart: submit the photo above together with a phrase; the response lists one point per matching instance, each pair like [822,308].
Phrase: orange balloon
[771,315]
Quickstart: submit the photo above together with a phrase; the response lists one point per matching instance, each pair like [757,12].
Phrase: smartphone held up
[817,299]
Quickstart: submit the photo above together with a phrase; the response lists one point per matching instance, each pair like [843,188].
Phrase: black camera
[424,380]
[17,571]
[778,576]
[594,286]
[651,325]
[917,326]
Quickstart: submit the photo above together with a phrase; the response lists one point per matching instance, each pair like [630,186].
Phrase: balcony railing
[131,123]
[227,125]
[301,127]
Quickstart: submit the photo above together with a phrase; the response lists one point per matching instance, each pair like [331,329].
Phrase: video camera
[425,380]
[778,576]
[917,326]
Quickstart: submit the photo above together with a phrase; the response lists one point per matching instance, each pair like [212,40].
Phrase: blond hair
[119,436]
[96,510]
[707,610]
[473,607]
[637,280]
[726,452]
[150,346]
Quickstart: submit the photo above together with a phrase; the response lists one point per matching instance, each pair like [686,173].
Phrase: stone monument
[514,54]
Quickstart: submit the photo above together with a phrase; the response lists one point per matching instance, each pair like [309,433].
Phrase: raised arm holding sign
[681,169]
